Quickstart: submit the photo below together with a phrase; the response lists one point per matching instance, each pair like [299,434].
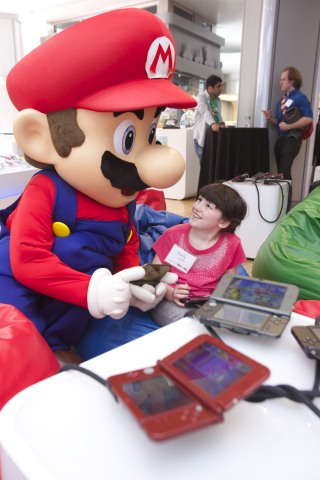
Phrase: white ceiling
[226,14]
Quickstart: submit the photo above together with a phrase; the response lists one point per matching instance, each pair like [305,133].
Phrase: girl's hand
[177,294]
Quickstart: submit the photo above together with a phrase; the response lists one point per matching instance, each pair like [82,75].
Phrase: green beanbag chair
[291,253]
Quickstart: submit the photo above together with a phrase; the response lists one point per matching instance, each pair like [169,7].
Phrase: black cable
[265,392]
[213,332]
[93,375]
[268,392]
[316,383]
[282,200]
[289,193]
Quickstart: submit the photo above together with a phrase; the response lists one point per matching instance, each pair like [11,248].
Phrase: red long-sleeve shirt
[31,239]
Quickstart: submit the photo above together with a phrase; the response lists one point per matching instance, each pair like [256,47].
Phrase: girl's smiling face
[206,216]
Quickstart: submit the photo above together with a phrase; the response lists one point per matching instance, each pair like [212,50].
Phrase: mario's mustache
[121,174]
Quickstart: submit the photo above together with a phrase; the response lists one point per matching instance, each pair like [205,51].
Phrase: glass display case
[15,172]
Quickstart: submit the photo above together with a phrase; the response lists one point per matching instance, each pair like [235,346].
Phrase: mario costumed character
[89,100]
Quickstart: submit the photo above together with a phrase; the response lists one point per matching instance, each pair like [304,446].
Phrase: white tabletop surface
[70,427]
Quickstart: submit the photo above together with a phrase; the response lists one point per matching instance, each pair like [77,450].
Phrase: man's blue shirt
[300,101]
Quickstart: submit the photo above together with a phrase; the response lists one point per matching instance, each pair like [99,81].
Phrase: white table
[70,427]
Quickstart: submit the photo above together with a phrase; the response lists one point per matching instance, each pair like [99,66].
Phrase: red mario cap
[117,61]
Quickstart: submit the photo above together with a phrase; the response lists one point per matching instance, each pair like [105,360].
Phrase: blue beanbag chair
[150,225]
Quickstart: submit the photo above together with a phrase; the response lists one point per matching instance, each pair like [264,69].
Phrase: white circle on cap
[161,58]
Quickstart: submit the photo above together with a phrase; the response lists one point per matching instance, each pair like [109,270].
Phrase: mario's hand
[144,302]
[111,294]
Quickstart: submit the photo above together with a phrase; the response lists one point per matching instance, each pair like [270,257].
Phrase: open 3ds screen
[241,316]
[156,394]
[255,293]
[209,367]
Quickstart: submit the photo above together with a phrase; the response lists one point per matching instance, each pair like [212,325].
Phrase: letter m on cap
[160,59]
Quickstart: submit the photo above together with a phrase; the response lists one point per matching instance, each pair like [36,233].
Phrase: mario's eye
[152,132]
[124,137]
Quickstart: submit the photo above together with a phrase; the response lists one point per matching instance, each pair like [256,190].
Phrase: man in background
[208,113]
[294,114]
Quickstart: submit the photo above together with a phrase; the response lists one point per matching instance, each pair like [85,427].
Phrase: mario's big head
[106,68]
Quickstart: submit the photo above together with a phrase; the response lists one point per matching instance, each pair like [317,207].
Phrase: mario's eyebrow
[138,113]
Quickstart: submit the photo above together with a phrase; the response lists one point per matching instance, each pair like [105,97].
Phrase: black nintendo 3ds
[249,305]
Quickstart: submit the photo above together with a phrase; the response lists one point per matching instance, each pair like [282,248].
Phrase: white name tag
[288,102]
[179,258]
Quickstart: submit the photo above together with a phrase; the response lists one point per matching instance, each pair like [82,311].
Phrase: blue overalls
[90,245]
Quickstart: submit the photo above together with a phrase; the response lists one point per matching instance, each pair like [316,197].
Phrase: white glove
[139,294]
[110,294]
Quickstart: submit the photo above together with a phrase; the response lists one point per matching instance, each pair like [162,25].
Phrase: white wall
[297,37]
[249,59]
[280,33]
[10,41]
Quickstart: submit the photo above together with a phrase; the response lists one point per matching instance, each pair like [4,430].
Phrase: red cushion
[309,308]
[154,198]
[25,357]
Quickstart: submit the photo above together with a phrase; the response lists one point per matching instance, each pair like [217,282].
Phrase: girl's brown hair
[228,201]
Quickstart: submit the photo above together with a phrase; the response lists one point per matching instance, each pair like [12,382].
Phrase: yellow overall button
[129,236]
[60,229]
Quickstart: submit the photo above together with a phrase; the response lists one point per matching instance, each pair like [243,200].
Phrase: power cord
[213,332]
[269,182]
[263,393]
[85,371]
[316,383]
[289,193]
[268,392]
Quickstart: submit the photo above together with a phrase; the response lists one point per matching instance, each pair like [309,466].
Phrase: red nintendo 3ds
[190,388]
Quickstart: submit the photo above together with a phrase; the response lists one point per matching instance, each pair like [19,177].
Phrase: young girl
[200,251]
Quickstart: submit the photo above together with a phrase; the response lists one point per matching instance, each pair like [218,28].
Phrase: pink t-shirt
[210,264]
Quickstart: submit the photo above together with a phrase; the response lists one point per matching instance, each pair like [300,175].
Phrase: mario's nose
[160,166]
